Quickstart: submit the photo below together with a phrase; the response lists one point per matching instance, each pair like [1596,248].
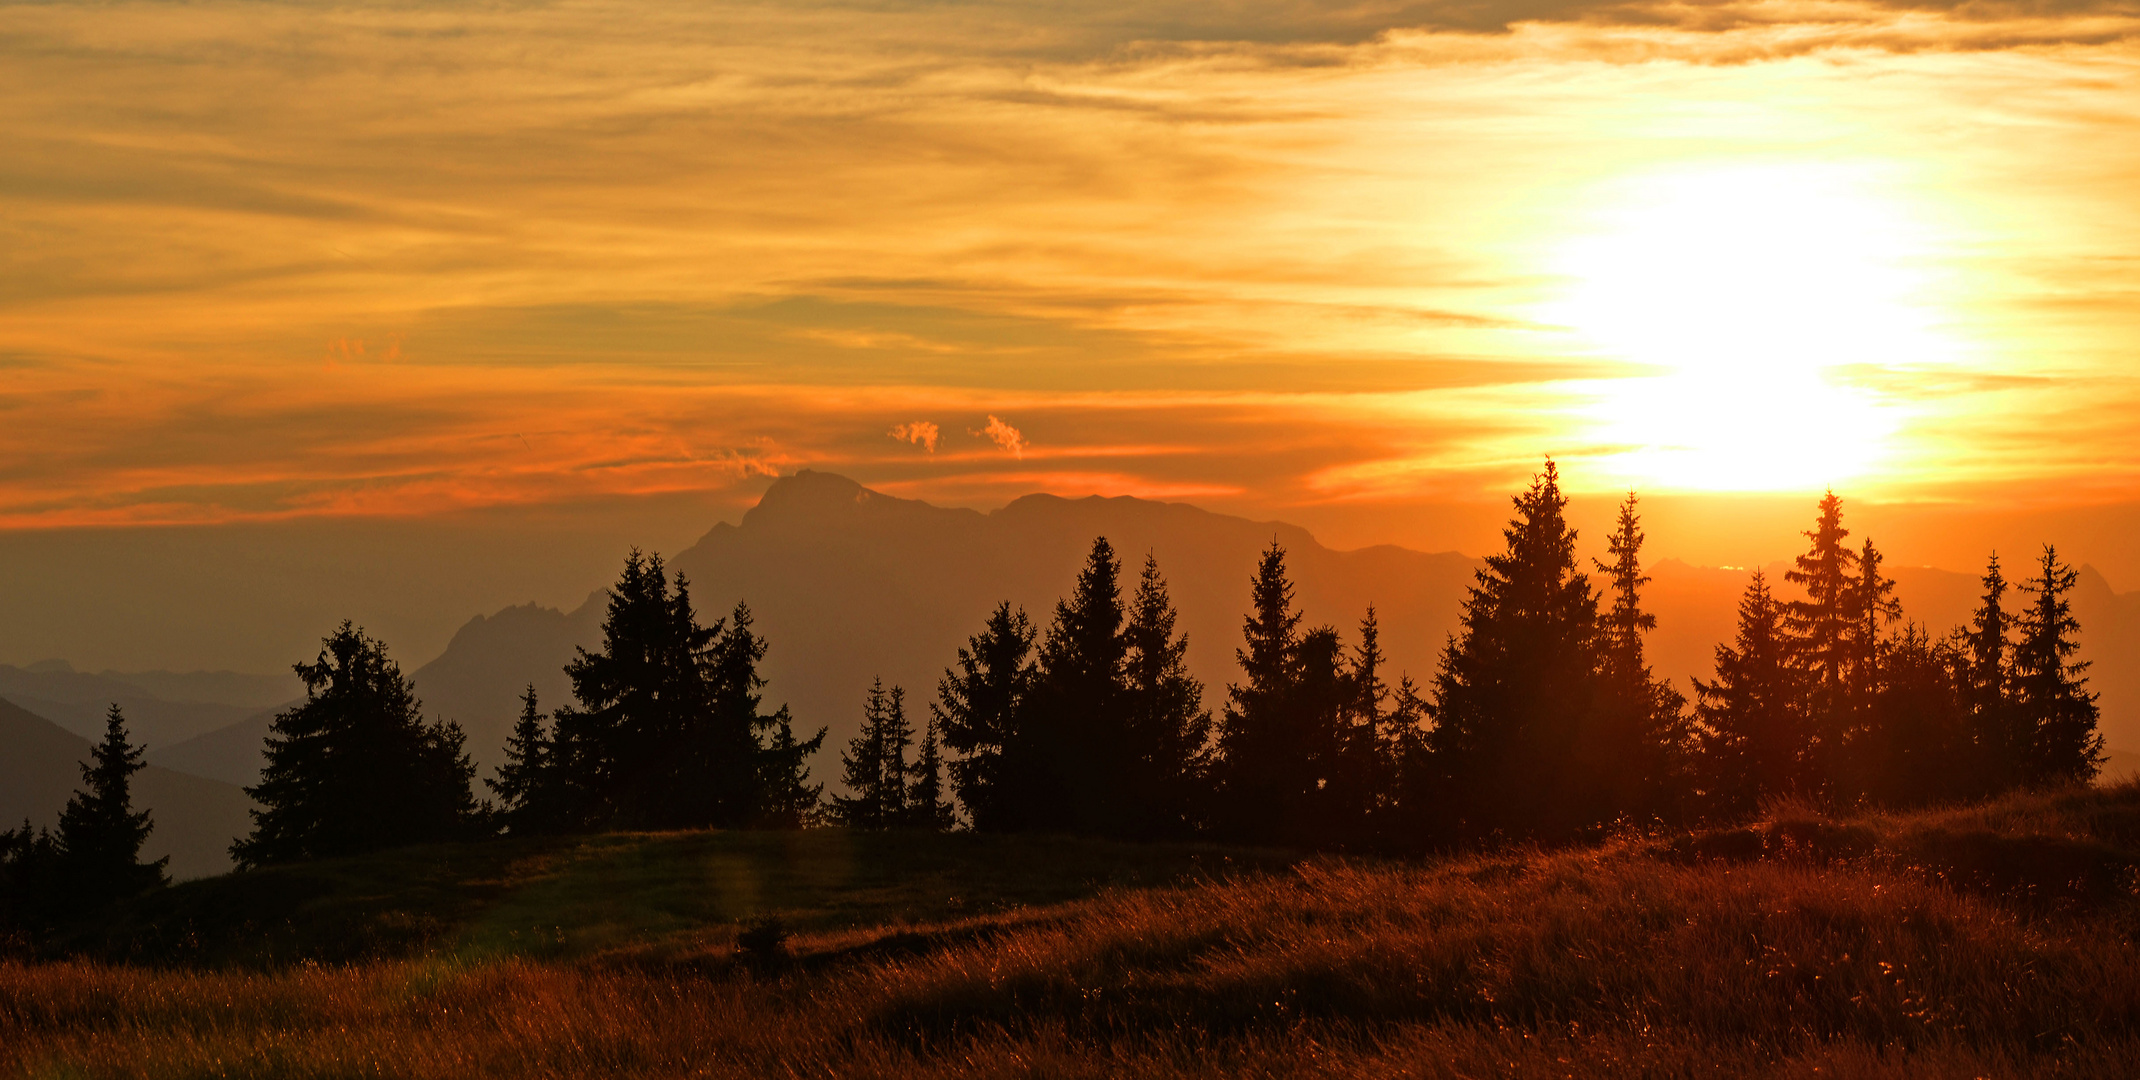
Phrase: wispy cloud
[921,433]
[1295,254]
[1005,436]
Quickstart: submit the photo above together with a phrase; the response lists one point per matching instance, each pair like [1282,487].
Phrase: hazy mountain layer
[849,583]
[196,819]
[162,707]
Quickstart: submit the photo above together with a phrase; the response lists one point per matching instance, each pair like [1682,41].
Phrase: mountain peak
[810,499]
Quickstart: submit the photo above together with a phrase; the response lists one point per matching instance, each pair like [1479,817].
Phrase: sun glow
[1763,297]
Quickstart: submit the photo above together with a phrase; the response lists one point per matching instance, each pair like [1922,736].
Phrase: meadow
[1993,940]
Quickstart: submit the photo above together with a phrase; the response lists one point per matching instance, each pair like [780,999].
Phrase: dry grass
[1821,947]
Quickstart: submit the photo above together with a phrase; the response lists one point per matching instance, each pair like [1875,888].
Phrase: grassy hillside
[1993,941]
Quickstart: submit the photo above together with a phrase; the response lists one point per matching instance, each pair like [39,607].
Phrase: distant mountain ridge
[849,583]
[196,819]
[162,707]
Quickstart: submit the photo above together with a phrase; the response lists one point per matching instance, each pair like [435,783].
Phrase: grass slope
[1991,941]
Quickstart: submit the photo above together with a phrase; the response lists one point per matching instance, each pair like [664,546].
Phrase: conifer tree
[1988,686]
[1168,728]
[1915,745]
[2056,711]
[1824,626]
[1518,692]
[1641,737]
[668,732]
[100,833]
[1874,608]
[1258,749]
[790,800]
[1625,622]
[1077,717]
[1753,733]
[927,805]
[354,768]
[530,770]
[875,763]
[980,708]
[31,901]
[1367,740]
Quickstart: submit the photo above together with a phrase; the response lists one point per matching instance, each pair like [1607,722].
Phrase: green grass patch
[648,895]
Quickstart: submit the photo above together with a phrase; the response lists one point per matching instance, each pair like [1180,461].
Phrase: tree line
[1542,720]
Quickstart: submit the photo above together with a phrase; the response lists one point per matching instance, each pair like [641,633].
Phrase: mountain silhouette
[162,708]
[849,583]
[196,818]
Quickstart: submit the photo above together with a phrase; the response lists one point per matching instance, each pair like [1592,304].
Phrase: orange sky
[1358,267]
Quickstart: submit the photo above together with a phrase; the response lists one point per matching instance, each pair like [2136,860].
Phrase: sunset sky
[1357,265]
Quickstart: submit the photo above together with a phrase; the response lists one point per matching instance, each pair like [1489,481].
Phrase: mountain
[233,754]
[196,819]
[161,707]
[849,583]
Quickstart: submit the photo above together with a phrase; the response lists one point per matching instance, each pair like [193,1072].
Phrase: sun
[1763,299]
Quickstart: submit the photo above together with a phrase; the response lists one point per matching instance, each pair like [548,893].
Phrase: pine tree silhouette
[1996,733]
[1076,716]
[1754,735]
[1642,739]
[1168,728]
[1365,745]
[100,833]
[927,805]
[1873,608]
[354,768]
[1518,692]
[791,801]
[524,783]
[1824,628]
[980,709]
[31,898]
[875,764]
[1915,746]
[2057,712]
[668,732]
[1258,753]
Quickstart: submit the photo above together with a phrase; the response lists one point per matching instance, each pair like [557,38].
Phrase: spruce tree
[791,801]
[100,833]
[1518,693]
[1077,718]
[1366,743]
[2057,713]
[1625,622]
[1824,626]
[354,767]
[31,900]
[524,783]
[980,710]
[1642,737]
[668,732]
[1988,686]
[1258,752]
[1873,608]
[927,805]
[875,763]
[1168,728]
[1753,734]
[1915,746]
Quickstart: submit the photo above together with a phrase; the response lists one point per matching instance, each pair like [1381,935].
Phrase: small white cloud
[1005,436]
[921,433]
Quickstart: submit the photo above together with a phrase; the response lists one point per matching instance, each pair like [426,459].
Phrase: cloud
[921,433]
[1005,436]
